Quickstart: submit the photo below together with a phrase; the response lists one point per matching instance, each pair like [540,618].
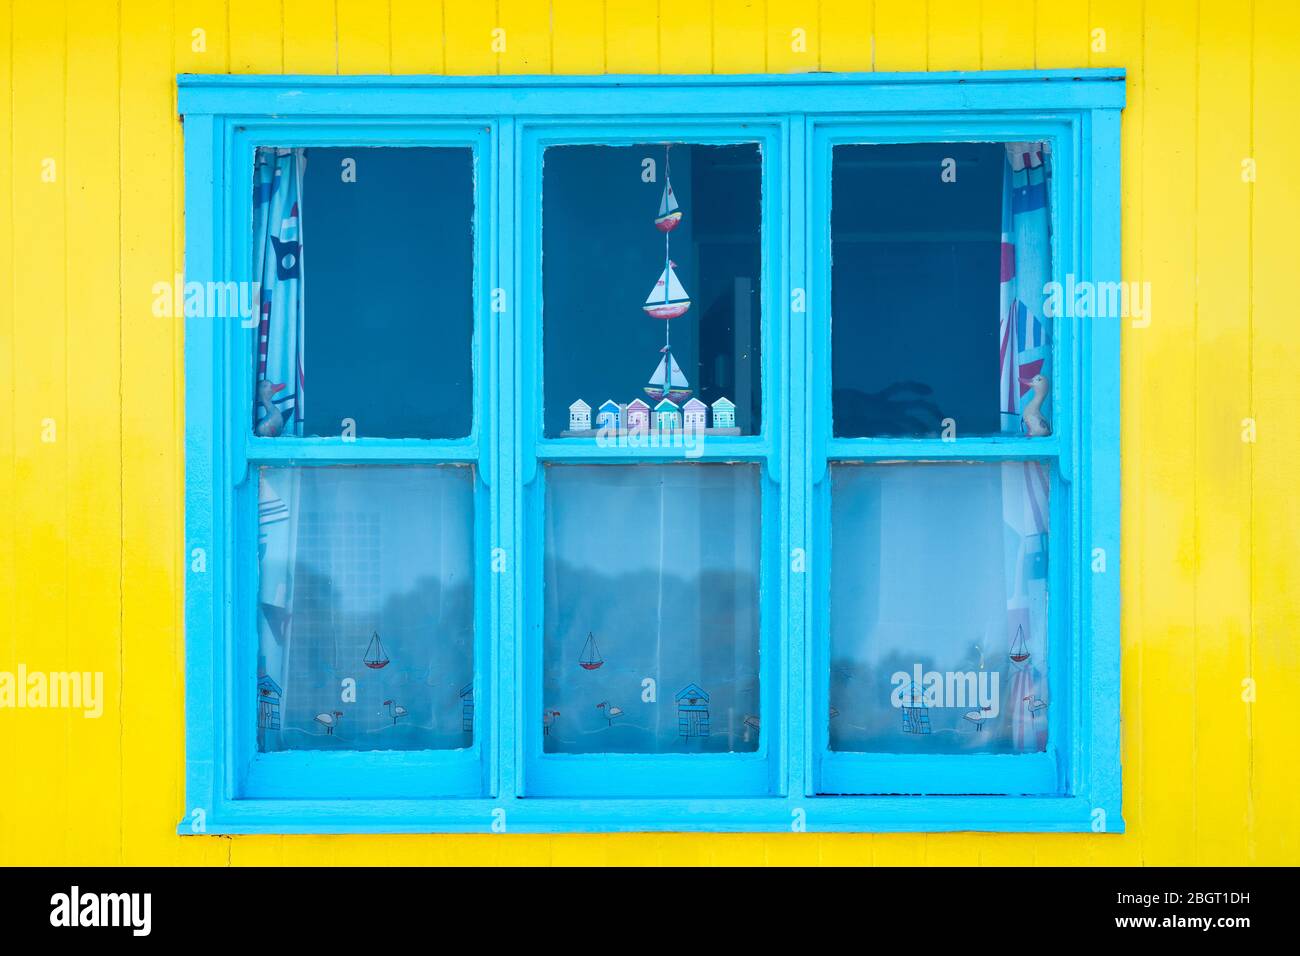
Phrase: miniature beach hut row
[667,415]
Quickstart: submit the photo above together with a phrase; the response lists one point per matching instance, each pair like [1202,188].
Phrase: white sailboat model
[669,215]
[668,381]
[667,300]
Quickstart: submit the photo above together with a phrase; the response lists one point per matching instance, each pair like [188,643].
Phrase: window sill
[882,814]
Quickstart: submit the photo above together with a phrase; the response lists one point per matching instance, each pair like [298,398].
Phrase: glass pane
[939,608]
[651,282]
[652,624]
[941,254]
[366,264]
[366,608]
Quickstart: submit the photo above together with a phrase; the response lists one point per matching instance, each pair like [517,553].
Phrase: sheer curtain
[278,410]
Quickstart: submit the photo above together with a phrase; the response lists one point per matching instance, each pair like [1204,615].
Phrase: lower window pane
[652,621]
[366,608]
[938,624]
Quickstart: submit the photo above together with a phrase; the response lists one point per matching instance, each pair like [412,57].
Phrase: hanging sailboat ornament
[668,381]
[669,215]
[667,300]
[375,657]
[590,658]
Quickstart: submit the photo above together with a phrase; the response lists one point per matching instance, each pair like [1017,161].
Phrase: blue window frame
[799,774]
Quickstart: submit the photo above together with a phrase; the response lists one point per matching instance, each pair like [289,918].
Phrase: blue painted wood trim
[622,96]
[224,113]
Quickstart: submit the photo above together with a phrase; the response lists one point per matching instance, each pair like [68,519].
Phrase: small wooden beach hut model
[724,413]
[610,416]
[580,416]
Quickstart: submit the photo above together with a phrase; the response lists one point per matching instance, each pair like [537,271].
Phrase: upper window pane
[651,282]
[940,257]
[366,262]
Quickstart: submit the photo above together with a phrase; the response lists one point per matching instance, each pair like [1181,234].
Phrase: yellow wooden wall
[90,523]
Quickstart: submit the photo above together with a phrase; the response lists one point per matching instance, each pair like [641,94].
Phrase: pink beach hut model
[638,416]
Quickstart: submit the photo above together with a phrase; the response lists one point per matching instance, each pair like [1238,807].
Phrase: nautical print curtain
[278,410]
[1025,339]
[277,266]
[1025,352]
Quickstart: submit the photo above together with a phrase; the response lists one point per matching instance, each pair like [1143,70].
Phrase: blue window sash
[499,784]
[606,775]
[1031,773]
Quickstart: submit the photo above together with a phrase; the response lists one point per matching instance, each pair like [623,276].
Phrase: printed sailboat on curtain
[668,381]
[1019,647]
[375,657]
[667,300]
[590,658]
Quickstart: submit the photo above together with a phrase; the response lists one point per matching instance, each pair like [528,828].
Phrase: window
[694,453]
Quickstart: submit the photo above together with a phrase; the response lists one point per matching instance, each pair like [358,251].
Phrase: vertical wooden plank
[1063,34]
[578,36]
[311,42]
[11,823]
[1123,47]
[152,731]
[901,35]
[1223,459]
[794,36]
[1275,385]
[1160,573]
[256,45]
[202,44]
[474,45]
[417,36]
[847,43]
[364,27]
[739,37]
[528,30]
[685,37]
[632,36]
[93,749]
[791,849]
[43,435]
[954,35]
[1006,36]
[898,849]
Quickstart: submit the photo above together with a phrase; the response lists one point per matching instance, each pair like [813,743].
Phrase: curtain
[1025,514]
[1025,352]
[1025,332]
[278,410]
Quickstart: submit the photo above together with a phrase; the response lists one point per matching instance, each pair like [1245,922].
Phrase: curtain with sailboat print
[1025,333]
[1025,395]
[278,411]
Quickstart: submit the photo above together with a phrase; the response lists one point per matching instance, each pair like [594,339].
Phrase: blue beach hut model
[610,416]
